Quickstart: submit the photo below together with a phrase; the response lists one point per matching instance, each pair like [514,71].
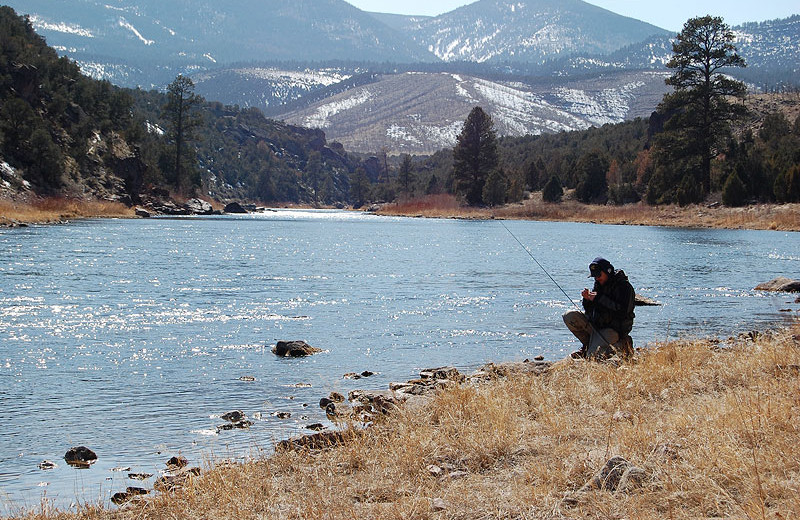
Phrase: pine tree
[552,191]
[700,111]
[182,117]
[475,156]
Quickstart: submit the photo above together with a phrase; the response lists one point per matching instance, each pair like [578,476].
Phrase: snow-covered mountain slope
[526,30]
[424,112]
[149,35]
[771,50]
[264,87]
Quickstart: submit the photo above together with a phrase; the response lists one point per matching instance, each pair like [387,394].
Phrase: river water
[131,336]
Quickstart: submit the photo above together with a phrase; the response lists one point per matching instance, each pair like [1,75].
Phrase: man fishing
[604,326]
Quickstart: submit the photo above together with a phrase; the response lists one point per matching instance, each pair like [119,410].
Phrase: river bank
[705,428]
[778,217]
[57,209]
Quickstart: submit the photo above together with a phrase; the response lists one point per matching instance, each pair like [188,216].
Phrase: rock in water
[780,284]
[294,349]
[234,416]
[80,456]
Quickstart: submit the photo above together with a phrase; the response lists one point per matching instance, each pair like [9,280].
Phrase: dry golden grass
[784,217]
[56,209]
[715,427]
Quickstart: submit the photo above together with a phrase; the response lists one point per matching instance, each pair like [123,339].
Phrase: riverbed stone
[130,493]
[294,348]
[237,425]
[80,456]
[234,416]
[644,301]
[234,207]
[177,461]
[780,284]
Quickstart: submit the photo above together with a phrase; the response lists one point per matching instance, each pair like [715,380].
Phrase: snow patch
[304,78]
[320,119]
[522,112]
[126,25]
[153,128]
[61,27]
[605,107]
[6,169]
[209,57]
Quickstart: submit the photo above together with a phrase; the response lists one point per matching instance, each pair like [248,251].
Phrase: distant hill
[421,113]
[771,50]
[147,42]
[63,133]
[531,31]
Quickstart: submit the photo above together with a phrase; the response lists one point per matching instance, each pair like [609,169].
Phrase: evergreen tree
[494,191]
[405,175]
[359,187]
[734,192]
[552,191]
[592,185]
[181,113]
[474,156]
[700,111]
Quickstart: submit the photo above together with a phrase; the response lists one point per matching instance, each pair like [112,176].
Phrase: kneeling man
[604,326]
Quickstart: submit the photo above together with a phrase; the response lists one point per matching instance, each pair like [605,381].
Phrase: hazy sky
[669,14]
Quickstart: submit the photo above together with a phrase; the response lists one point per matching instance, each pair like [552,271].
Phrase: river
[132,337]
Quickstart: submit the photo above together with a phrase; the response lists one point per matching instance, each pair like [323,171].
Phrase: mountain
[63,133]
[771,50]
[418,112]
[147,42]
[531,31]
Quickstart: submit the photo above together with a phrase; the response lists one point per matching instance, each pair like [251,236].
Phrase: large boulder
[234,207]
[198,207]
[294,349]
[780,284]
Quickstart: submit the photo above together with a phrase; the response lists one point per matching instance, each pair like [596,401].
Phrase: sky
[669,14]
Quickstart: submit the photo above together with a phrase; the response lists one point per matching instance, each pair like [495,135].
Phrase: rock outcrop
[780,284]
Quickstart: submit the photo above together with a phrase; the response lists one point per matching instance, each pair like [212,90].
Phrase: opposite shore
[778,217]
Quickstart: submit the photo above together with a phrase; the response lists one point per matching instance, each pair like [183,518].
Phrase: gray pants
[596,344]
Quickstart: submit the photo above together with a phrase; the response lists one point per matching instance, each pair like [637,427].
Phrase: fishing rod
[540,266]
[553,280]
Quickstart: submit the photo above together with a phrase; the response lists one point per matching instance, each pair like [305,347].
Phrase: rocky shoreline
[572,436]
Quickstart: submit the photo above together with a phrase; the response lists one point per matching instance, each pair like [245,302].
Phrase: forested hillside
[64,133]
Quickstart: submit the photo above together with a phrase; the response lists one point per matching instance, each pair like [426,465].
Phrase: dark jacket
[613,305]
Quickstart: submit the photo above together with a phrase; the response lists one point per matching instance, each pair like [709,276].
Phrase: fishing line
[595,329]
[540,265]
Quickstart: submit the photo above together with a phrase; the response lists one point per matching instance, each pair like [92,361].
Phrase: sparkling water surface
[131,336]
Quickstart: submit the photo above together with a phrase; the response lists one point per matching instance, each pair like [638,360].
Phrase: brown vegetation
[782,217]
[58,209]
[714,426]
